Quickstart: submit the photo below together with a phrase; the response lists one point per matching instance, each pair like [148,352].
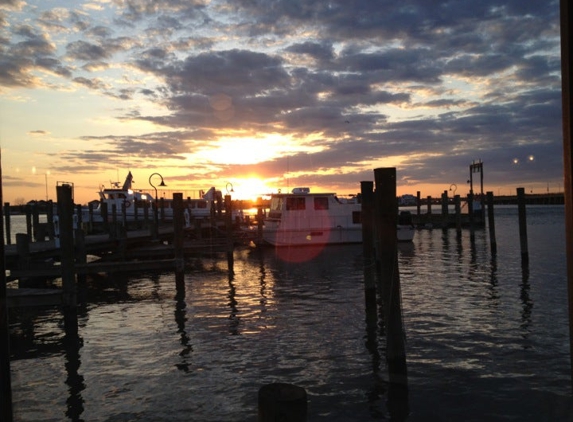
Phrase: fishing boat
[305,218]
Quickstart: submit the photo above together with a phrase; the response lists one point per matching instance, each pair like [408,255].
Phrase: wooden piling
[445,216]
[104,216]
[471,216]
[429,206]
[522,226]
[386,211]
[7,223]
[50,219]
[491,223]
[6,412]
[367,216]
[282,402]
[178,223]
[35,223]
[29,229]
[69,294]
[458,211]
[567,110]
[229,229]
[418,203]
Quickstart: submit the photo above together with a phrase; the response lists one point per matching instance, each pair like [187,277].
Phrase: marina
[485,338]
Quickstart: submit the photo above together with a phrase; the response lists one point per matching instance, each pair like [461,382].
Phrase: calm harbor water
[485,338]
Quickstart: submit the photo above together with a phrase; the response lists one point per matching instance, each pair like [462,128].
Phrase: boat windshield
[276,203]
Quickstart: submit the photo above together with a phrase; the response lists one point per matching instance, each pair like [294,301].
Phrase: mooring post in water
[471,216]
[7,221]
[69,295]
[386,211]
[282,402]
[367,217]
[566,98]
[178,222]
[522,226]
[28,210]
[5,377]
[445,216]
[491,223]
[418,204]
[458,211]
[229,227]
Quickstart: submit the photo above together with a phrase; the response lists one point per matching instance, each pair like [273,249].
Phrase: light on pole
[156,211]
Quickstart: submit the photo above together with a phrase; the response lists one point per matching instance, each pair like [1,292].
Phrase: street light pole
[156,211]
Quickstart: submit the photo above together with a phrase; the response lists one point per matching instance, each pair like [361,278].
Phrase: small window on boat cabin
[356,217]
[295,203]
[320,203]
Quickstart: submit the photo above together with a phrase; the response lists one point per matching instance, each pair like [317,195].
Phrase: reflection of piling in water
[386,241]
[491,223]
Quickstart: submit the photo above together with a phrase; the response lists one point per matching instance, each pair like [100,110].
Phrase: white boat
[305,218]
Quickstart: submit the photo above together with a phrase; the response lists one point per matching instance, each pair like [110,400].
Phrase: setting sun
[249,189]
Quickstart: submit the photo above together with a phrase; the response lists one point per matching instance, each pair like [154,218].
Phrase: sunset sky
[264,95]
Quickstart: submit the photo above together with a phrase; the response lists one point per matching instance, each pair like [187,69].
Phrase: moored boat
[305,218]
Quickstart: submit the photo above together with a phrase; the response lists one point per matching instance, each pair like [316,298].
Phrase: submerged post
[386,210]
[522,226]
[367,217]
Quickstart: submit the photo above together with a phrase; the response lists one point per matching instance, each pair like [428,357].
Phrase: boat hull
[326,236]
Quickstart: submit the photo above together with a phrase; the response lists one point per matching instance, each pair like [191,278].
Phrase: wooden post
[386,210]
[491,223]
[229,229]
[7,221]
[69,296]
[445,216]
[522,227]
[5,376]
[429,206]
[178,222]
[458,210]
[28,211]
[282,402]
[104,216]
[23,250]
[418,203]
[471,216]
[90,217]
[50,219]
[567,97]
[35,222]
[367,217]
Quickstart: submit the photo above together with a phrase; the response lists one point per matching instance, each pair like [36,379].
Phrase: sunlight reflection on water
[485,338]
